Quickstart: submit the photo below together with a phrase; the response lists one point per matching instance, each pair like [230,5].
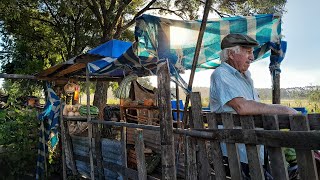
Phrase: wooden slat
[219,168]
[124,148]
[305,158]
[232,149]
[71,69]
[63,143]
[190,159]
[97,139]
[139,149]
[273,138]
[166,125]
[284,122]
[68,143]
[90,138]
[255,167]
[277,158]
[202,157]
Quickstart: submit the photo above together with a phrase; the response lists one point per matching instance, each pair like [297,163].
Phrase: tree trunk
[100,96]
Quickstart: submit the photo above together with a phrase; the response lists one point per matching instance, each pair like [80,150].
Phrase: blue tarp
[111,50]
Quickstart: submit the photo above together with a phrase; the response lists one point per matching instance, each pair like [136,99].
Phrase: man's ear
[230,54]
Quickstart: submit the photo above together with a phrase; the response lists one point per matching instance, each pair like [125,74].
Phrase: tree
[45,32]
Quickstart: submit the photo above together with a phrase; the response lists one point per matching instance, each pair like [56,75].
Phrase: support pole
[166,125]
[196,55]
[276,89]
[89,125]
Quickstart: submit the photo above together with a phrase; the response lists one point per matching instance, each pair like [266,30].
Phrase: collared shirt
[228,83]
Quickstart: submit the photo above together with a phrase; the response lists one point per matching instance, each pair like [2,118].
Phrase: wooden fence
[203,157]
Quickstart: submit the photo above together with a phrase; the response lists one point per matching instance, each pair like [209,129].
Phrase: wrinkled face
[241,60]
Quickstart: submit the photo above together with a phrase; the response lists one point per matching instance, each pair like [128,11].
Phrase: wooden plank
[190,159]
[133,174]
[139,148]
[99,159]
[124,148]
[273,138]
[68,143]
[202,157]
[232,149]
[305,158]
[71,69]
[89,125]
[63,144]
[283,119]
[219,168]
[277,158]
[255,167]
[166,124]
[17,76]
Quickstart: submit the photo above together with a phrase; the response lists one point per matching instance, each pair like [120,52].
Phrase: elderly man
[231,88]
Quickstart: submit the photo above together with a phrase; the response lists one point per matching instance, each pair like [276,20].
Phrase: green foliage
[18,140]
[250,7]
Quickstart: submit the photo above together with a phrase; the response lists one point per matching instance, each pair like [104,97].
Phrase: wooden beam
[18,76]
[166,124]
[89,126]
[71,69]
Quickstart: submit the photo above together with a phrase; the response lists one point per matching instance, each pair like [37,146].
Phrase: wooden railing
[302,134]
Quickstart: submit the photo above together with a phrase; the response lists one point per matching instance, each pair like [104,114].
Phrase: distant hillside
[264,93]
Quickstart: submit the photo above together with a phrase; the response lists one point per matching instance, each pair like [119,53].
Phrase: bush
[18,142]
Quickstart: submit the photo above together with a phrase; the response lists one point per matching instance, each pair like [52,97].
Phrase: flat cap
[232,40]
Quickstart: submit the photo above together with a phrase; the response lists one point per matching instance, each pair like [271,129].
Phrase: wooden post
[276,89]
[89,125]
[166,124]
[232,149]
[190,159]
[178,106]
[99,158]
[305,158]
[124,147]
[202,158]
[63,152]
[253,151]
[277,158]
[139,148]
[216,150]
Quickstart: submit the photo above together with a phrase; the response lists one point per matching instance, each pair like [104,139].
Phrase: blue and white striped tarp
[110,50]
[158,39]
[50,118]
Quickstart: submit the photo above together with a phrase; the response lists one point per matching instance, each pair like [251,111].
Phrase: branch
[130,23]
[118,15]
[104,12]
[95,9]
[220,14]
[169,10]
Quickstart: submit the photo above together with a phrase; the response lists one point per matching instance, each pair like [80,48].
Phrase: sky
[300,28]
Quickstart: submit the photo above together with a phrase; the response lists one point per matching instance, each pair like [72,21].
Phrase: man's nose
[251,58]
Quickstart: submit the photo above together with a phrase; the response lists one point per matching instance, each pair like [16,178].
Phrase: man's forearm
[250,107]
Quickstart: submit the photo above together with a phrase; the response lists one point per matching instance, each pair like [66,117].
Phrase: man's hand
[250,107]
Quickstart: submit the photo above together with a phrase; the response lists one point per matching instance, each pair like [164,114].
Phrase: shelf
[77,118]
[138,107]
